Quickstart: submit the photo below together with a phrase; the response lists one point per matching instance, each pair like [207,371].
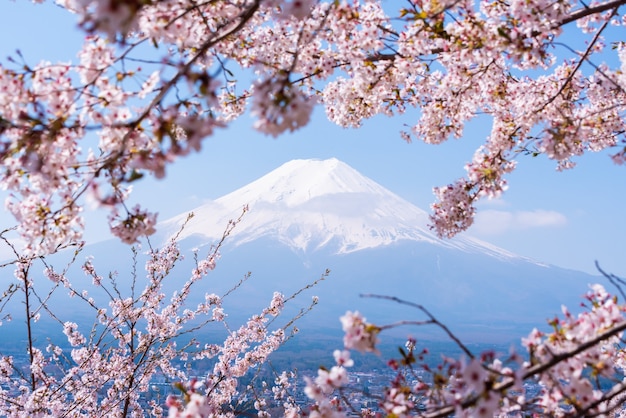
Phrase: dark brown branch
[29,320]
[607,396]
[588,11]
[614,280]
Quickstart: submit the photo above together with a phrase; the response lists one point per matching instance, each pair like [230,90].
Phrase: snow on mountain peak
[298,181]
[314,204]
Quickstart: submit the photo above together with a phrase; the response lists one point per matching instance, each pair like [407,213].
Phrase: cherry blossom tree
[154,78]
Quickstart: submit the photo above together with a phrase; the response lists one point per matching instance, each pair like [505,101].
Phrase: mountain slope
[481,297]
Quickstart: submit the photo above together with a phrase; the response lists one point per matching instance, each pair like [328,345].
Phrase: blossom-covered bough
[578,368]
[154,78]
[139,338]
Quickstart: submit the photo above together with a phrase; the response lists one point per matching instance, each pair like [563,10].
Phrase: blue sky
[569,219]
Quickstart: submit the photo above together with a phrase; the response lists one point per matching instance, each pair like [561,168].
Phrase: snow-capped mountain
[310,205]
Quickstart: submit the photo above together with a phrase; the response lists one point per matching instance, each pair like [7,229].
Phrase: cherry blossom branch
[23,271]
[245,16]
[538,369]
[614,392]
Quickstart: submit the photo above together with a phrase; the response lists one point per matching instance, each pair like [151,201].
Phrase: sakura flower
[474,375]
[359,335]
[342,358]
[299,9]
[138,223]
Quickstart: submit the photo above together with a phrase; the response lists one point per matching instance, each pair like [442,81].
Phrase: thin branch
[607,396]
[594,66]
[433,320]
[615,281]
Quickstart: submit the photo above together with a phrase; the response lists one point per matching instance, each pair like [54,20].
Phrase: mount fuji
[313,205]
[309,215]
